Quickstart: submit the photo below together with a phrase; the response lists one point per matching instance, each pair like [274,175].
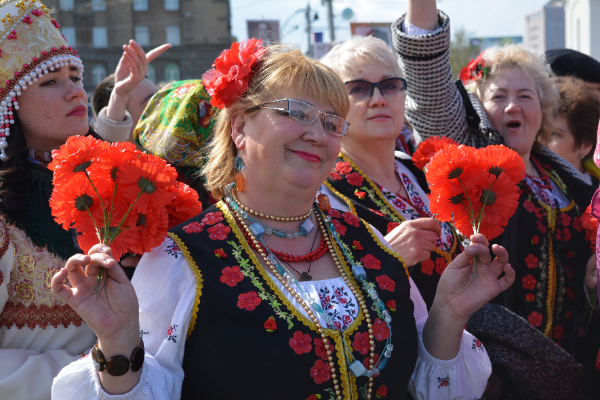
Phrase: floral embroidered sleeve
[165,312]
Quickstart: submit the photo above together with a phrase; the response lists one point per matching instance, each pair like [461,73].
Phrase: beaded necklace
[255,233]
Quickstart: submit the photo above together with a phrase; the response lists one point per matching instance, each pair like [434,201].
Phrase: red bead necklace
[311,256]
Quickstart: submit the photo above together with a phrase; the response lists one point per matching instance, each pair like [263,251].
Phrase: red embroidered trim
[42,316]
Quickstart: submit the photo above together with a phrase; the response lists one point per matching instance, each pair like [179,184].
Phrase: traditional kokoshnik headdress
[30,46]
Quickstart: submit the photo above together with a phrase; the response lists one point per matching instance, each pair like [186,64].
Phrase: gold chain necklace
[251,211]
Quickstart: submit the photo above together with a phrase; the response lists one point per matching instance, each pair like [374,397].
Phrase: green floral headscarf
[176,123]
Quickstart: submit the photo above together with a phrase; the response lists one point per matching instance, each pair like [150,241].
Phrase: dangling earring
[240,181]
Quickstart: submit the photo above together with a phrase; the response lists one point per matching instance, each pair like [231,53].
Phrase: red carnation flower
[428,148]
[248,301]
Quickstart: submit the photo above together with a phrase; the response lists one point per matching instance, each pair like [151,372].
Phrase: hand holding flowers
[116,195]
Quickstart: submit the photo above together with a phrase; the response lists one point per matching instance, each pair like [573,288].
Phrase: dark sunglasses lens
[391,87]
[358,89]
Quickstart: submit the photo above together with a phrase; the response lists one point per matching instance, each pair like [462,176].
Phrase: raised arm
[434,106]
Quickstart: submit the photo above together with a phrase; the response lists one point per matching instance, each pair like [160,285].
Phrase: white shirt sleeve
[165,312]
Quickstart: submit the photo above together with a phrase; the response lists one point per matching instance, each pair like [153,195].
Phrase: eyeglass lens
[307,114]
[389,88]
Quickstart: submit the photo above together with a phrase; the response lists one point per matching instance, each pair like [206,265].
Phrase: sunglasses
[307,114]
[389,88]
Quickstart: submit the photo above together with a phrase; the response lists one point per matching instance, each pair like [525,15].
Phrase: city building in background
[381,30]
[267,31]
[484,43]
[545,28]
[199,31]
[582,27]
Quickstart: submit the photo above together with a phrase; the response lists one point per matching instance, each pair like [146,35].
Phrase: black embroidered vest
[246,340]
[368,202]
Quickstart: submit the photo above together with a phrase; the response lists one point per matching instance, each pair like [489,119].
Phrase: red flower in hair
[229,77]
[476,69]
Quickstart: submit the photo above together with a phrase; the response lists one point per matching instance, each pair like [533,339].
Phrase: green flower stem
[118,230]
[475,227]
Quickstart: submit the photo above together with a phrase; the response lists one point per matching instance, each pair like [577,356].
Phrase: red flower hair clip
[476,69]
[228,79]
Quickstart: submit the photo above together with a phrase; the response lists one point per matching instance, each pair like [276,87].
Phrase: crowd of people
[316,269]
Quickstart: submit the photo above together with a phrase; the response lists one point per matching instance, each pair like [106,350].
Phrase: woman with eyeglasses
[379,185]
[266,295]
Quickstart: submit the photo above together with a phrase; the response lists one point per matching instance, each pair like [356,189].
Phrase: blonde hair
[535,68]
[343,56]
[281,68]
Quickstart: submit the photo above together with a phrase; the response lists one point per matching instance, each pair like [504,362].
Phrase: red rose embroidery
[541,227]
[334,213]
[219,232]
[529,282]
[570,254]
[320,372]
[381,391]
[356,245]
[529,297]
[339,228]
[535,240]
[232,276]
[220,253]
[531,261]
[355,179]
[391,305]
[335,176]
[528,205]
[540,213]
[440,265]
[535,319]
[351,219]
[361,343]
[558,332]
[565,220]
[367,363]
[301,343]
[571,293]
[343,167]
[371,262]
[360,194]
[563,234]
[270,325]
[380,330]
[212,218]
[427,267]
[391,226]
[386,283]
[194,227]
[577,224]
[568,314]
[313,397]
[248,301]
[320,349]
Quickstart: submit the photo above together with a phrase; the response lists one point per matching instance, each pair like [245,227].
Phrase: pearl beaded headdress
[30,46]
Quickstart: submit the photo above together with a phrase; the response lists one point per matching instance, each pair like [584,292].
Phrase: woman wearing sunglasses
[262,295]
[382,187]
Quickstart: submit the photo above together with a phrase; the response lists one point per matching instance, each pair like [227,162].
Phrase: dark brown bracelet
[118,365]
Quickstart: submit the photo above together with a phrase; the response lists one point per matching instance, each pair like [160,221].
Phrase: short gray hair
[343,56]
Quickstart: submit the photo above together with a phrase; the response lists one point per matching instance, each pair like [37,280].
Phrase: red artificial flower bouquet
[117,195]
[475,189]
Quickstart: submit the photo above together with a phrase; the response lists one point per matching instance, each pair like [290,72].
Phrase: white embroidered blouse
[166,310]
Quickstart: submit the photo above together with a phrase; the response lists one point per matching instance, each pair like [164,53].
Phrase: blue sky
[479,17]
